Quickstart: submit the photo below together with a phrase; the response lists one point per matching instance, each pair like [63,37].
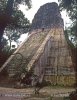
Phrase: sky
[35,6]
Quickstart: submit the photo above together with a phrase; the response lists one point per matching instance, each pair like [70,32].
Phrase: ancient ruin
[46,52]
[48,16]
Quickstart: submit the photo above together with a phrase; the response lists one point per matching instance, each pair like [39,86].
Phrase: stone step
[36,98]
[11,74]
[47,98]
[57,98]
[12,69]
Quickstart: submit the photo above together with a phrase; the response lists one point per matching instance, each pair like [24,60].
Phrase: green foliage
[19,21]
[2,5]
[12,20]
[6,48]
[25,2]
[70,38]
[71,7]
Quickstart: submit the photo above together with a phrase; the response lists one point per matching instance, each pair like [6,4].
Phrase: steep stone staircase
[17,63]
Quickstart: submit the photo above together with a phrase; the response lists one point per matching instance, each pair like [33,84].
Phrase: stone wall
[55,60]
[48,16]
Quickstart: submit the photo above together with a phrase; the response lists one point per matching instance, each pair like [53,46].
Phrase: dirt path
[9,98]
[18,94]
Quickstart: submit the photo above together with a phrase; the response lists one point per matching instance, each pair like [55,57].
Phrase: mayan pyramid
[46,50]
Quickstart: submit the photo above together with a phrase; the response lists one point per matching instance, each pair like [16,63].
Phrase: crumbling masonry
[46,51]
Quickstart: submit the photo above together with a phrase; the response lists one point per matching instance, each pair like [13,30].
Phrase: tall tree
[12,23]
[11,17]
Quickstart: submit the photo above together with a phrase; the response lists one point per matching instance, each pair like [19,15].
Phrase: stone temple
[46,52]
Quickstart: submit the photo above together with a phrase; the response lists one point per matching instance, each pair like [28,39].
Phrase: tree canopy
[12,24]
[12,19]
[71,7]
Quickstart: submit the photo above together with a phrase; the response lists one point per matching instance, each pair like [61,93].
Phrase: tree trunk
[74,59]
[1,35]
[5,18]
